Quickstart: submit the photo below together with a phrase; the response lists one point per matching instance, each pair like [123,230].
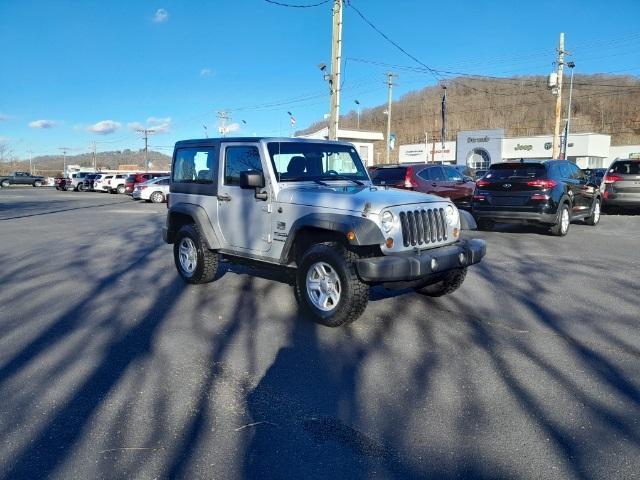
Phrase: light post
[566,133]
[358,107]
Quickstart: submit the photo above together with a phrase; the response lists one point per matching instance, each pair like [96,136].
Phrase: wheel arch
[186,213]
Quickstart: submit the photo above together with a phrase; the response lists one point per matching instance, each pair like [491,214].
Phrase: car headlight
[386,220]
[452,215]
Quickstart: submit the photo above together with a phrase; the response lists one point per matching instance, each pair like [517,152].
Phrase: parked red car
[441,180]
[136,178]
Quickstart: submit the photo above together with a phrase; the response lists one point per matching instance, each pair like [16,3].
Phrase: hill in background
[523,106]
[51,165]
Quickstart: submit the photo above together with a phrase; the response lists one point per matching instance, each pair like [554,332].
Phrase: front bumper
[422,264]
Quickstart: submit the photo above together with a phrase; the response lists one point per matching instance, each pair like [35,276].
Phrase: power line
[386,37]
[289,5]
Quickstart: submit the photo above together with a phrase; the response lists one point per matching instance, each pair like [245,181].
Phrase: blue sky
[73,72]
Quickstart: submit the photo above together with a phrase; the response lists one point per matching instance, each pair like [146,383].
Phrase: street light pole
[566,133]
[358,107]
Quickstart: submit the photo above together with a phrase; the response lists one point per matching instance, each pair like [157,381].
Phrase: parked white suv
[116,183]
[154,190]
[309,207]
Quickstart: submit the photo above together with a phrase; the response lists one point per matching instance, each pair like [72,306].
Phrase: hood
[352,197]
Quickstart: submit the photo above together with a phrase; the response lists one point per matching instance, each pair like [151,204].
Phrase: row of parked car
[150,186]
[552,193]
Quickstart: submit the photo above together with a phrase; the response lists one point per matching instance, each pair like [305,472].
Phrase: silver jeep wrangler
[308,206]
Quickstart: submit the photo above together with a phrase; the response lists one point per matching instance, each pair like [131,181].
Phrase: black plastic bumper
[417,265]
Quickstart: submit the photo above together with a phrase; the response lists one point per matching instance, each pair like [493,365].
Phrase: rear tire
[120,189]
[37,183]
[80,187]
[327,285]
[452,280]
[561,228]
[157,197]
[594,218]
[196,264]
[5,184]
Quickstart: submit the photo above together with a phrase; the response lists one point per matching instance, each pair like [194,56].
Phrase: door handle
[224,197]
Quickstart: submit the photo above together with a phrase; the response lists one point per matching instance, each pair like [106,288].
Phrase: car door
[456,187]
[245,221]
[585,190]
[434,180]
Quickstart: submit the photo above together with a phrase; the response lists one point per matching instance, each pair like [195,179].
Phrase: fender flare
[467,222]
[366,231]
[199,217]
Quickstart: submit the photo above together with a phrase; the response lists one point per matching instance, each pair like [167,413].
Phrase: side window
[164,181]
[453,175]
[195,165]
[435,174]
[576,173]
[565,171]
[238,159]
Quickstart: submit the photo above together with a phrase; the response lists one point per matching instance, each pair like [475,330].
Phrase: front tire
[196,264]
[37,183]
[594,218]
[451,281]
[5,184]
[328,287]
[80,187]
[561,228]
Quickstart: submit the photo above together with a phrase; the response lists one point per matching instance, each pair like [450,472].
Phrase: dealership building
[480,148]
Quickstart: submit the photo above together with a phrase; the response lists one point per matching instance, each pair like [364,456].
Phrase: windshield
[298,162]
[515,170]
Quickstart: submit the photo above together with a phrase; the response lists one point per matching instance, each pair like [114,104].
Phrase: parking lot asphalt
[112,367]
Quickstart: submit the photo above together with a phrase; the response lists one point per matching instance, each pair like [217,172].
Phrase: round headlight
[386,220]
[451,214]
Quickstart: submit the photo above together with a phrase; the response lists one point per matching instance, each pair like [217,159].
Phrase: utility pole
[336,61]
[357,102]
[30,162]
[571,65]
[93,148]
[390,76]
[223,116]
[146,132]
[64,159]
[556,129]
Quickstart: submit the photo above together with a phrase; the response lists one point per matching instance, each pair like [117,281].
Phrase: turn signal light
[456,232]
[389,242]
[351,236]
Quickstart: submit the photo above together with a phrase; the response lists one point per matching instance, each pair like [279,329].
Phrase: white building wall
[479,148]
[622,151]
[427,153]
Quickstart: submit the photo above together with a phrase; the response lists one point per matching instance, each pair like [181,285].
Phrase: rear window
[388,175]
[626,167]
[131,179]
[515,170]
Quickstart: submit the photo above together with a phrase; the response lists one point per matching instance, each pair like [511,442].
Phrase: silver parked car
[154,190]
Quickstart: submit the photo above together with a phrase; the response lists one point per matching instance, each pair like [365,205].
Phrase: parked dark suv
[552,193]
[442,180]
[621,184]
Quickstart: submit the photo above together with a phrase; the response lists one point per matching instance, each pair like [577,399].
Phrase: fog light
[389,242]
[351,236]
[434,264]
[456,232]
[462,257]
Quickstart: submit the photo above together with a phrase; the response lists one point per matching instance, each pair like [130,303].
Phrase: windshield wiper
[342,177]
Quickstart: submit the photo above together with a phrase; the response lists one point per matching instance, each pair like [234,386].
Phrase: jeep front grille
[421,227]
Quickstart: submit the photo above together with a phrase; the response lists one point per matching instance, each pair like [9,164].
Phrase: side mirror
[251,179]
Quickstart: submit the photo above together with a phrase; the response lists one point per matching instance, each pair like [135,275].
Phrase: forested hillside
[522,106]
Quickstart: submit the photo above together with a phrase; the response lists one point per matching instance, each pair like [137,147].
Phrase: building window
[478,159]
